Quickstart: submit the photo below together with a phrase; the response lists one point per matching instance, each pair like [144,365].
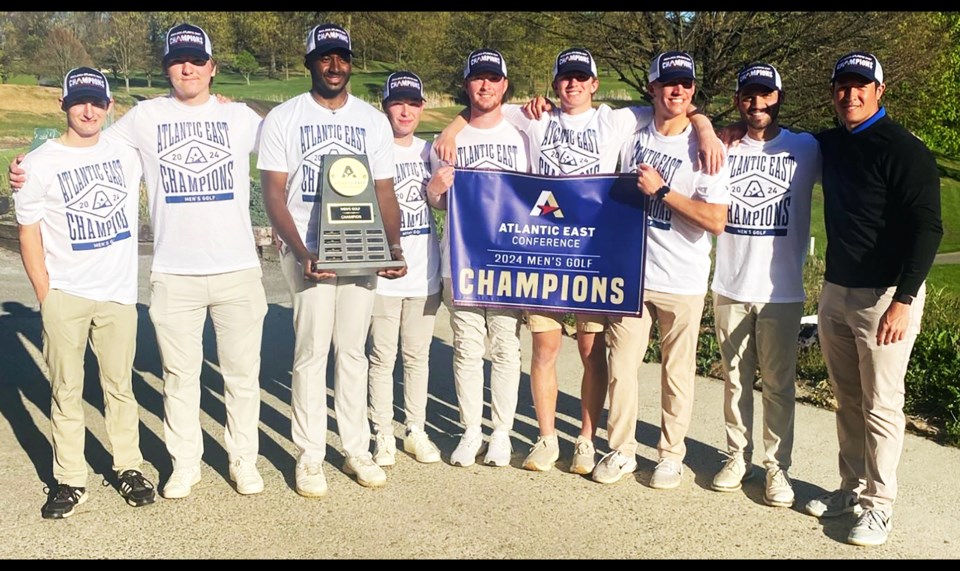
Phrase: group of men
[881,189]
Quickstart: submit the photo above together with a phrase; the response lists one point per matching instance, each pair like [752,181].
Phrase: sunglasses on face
[684,83]
[581,77]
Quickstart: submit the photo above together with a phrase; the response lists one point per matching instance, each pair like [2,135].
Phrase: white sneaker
[466,452]
[245,474]
[180,482]
[872,528]
[498,450]
[779,489]
[835,503]
[584,454]
[368,474]
[385,450]
[417,442]
[311,483]
[667,474]
[612,467]
[735,471]
[544,453]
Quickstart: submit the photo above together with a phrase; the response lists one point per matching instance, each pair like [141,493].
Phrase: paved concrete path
[428,511]
[948,258]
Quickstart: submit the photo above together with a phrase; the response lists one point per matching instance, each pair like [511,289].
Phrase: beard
[764,120]
[485,103]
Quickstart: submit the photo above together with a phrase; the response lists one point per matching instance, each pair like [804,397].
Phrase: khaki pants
[761,335]
[409,320]
[69,322]
[178,309]
[627,337]
[867,380]
[334,311]
[472,328]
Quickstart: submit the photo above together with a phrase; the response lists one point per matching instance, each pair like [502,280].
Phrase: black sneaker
[137,490]
[62,501]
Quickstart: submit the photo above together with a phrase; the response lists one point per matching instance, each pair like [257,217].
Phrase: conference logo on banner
[572,243]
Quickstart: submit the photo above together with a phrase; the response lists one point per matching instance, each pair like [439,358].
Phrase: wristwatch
[663,191]
[903,298]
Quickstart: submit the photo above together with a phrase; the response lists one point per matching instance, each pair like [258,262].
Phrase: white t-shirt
[502,147]
[196,161]
[678,252]
[298,132]
[585,143]
[87,201]
[761,252]
[418,237]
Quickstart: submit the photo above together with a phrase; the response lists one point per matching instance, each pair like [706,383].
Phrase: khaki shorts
[541,321]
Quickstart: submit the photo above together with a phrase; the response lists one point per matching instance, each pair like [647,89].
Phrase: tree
[128,45]
[528,53]
[802,45]
[6,47]
[928,106]
[92,29]
[289,41]
[156,28]
[62,52]
[30,29]
[246,64]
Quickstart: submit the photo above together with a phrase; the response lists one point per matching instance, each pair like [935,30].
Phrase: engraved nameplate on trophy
[351,238]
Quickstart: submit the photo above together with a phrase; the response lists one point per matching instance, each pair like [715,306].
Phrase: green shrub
[933,377]
[258,215]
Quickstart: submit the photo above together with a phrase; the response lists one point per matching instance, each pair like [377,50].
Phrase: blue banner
[572,243]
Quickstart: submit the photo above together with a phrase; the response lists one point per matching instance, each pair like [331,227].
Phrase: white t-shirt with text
[87,201]
[583,143]
[761,253]
[418,236]
[501,147]
[298,132]
[196,161]
[678,251]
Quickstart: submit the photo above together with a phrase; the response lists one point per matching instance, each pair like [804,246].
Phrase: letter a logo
[546,205]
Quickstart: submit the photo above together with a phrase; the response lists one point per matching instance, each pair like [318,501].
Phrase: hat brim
[485,68]
[325,49]
[186,53]
[572,68]
[77,94]
[770,86]
[852,72]
[674,76]
[412,95]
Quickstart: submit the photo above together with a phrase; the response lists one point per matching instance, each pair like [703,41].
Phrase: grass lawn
[945,276]
[949,212]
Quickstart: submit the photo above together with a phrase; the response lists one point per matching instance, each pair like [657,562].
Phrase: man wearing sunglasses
[685,205]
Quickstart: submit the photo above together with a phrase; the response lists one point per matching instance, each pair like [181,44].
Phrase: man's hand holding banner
[573,243]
